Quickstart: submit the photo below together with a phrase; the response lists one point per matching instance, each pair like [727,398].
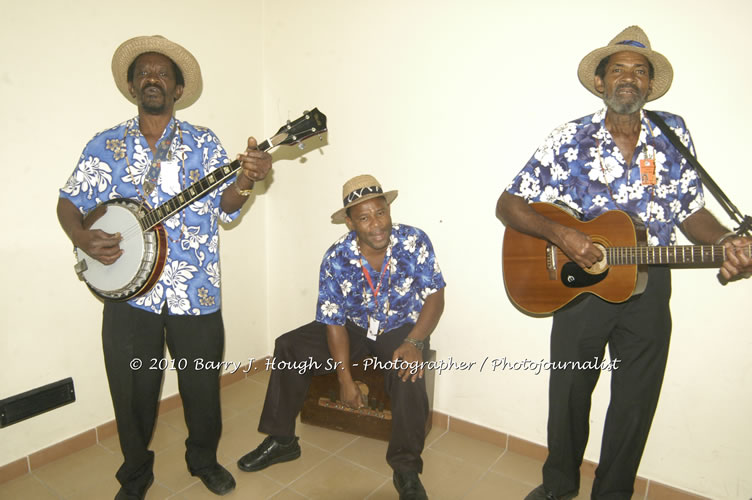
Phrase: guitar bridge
[551,263]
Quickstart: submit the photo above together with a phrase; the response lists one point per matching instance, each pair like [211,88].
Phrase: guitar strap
[745,222]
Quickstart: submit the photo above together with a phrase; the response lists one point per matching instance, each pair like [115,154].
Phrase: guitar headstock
[311,123]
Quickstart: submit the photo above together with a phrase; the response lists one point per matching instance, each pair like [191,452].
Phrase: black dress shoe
[409,486]
[217,479]
[269,452]
[123,494]
[541,493]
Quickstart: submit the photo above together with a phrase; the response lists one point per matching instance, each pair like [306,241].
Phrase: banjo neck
[200,188]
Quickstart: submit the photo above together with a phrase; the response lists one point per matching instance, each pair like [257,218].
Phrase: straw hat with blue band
[632,39]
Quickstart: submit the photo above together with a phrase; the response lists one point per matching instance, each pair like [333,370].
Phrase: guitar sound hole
[573,276]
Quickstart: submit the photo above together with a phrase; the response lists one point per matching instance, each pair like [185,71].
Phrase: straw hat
[632,39]
[131,49]
[360,189]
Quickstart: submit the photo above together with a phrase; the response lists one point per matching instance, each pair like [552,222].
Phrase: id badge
[647,172]
[373,328]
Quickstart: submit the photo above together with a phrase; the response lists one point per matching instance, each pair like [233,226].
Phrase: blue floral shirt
[113,165]
[411,274]
[580,165]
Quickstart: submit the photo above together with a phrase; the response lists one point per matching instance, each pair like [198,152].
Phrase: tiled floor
[333,466]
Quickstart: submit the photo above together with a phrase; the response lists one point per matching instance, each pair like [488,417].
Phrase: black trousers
[637,333]
[287,388]
[131,337]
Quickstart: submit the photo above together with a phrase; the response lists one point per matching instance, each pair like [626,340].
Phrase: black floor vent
[36,401]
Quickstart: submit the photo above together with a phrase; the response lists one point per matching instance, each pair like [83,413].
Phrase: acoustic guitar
[541,279]
[144,238]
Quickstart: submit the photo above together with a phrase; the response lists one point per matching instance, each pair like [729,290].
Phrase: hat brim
[663,71]
[338,217]
[131,49]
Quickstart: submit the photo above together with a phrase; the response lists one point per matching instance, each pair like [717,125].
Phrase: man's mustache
[627,86]
[153,85]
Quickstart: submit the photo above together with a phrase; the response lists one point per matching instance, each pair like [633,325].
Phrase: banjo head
[127,276]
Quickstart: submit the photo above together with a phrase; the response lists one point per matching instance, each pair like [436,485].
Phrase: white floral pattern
[412,274]
[580,165]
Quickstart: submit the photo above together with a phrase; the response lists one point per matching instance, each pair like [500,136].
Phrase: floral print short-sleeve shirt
[580,165]
[113,165]
[411,274]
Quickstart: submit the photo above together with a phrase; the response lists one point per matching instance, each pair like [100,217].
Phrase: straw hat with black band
[632,39]
[357,190]
[131,49]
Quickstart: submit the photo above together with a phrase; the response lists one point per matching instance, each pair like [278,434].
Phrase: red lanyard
[368,278]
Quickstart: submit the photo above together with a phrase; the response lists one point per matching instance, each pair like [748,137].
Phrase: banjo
[144,239]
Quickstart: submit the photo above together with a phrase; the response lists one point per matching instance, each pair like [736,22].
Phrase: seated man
[381,293]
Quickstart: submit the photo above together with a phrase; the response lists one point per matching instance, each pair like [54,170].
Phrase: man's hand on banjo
[104,247]
[255,163]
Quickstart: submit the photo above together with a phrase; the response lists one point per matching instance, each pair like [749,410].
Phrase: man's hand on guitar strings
[579,247]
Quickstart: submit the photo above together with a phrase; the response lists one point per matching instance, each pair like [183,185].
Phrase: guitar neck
[681,254]
[200,188]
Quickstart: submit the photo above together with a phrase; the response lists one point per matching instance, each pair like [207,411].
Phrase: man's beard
[625,107]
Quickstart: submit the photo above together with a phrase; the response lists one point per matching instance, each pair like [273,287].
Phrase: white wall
[444,101]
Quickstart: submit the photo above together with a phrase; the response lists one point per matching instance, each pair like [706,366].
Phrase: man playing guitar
[149,159]
[615,159]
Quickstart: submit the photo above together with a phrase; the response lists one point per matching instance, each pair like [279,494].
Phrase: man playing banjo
[150,158]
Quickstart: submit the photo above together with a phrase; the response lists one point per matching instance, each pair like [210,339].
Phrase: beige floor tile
[287,472]
[519,467]
[498,487]
[241,396]
[80,472]
[446,477]
[338,479]
[112,443]
[165,436]
[106,491]
[239,435]
[157,491]
[249,487]
[261,377]
[385,492]
[28,487]
[288,494]
[586,486]
[434,434]
[370,453]
[468,449]
[175,419]
[170,469]
[327,439]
